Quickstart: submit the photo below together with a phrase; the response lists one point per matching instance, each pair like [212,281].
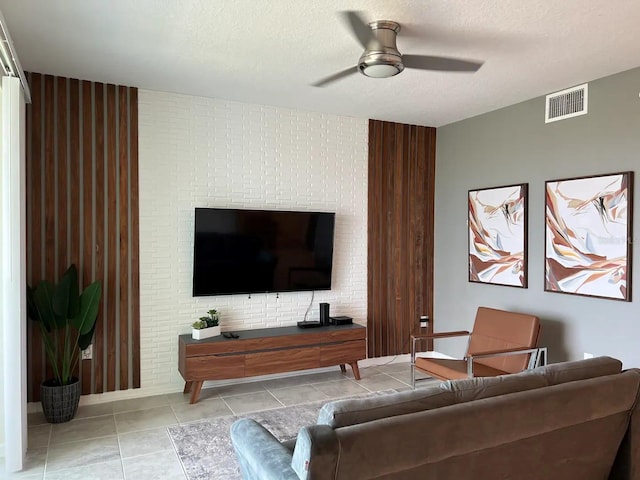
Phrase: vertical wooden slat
[87,185]
[74,172]
[400,243]
[99,339]
[430,147]
[135,249]
[73,189]
[49,179]
[63,169]
[372,238]
[37,270]
[49,172]
[112,227]
[123,154]
[87,197]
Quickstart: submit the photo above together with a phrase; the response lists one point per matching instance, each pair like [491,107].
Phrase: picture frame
[497,235]
[588,235]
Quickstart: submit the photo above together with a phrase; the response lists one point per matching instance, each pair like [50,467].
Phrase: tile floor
[128,439]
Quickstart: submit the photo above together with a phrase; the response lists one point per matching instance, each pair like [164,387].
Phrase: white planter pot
[205,332]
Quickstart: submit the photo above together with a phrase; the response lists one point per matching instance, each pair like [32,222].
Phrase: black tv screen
[251,251]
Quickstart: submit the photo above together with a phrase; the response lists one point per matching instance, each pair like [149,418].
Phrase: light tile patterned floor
[128,439]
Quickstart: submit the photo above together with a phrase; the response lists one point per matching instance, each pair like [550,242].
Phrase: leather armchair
[501,342]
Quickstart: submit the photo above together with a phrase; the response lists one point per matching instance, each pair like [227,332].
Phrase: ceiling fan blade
[361,30]
[446,64]
[336,76]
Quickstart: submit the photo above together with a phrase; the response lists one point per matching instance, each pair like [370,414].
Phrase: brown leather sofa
[574,420]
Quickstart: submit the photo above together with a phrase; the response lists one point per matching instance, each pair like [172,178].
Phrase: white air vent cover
[566,103]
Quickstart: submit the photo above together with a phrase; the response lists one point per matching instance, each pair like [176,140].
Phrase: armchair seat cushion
[450,369]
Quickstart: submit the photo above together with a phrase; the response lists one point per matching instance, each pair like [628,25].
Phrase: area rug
[205,448]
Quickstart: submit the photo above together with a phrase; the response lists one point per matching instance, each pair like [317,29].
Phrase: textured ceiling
[268,52]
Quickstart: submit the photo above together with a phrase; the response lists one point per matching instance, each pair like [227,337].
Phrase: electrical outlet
[424,321]
[87,353]
[588,355]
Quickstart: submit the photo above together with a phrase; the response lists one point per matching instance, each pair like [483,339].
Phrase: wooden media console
[269,350]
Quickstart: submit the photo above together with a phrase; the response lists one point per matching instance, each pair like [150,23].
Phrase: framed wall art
[498,235]
[588,230]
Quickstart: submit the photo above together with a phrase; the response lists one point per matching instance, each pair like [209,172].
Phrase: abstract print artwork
[588,233]
[498,235]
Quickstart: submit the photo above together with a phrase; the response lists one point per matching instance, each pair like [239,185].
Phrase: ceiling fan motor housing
[382,59]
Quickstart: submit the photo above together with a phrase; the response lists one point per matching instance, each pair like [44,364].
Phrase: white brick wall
[200,152]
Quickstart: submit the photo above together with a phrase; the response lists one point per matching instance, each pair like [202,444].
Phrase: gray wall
[513,145]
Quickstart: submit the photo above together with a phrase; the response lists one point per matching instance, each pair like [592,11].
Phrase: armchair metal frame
[537,358]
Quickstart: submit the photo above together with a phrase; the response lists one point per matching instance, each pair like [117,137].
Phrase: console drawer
[278,361]
[212,367]
[343,335]
[346,352]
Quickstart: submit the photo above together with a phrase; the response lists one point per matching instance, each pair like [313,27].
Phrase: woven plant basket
[60,403]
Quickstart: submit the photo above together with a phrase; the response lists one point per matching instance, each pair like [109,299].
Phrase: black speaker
[324,313]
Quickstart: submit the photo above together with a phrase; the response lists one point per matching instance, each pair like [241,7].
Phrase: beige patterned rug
[205,448]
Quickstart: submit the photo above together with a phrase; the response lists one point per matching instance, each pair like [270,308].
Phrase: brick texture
[201,152]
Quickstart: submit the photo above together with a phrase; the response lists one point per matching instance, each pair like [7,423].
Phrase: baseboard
[132,393]
[106,397]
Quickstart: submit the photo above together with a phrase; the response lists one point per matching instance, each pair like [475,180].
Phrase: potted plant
[206,327]
[67,321]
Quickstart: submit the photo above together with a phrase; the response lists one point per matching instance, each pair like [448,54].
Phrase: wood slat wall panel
[99,362]
[123,168]
[82,207]
[33,171]
[400,240]
[111,252]
[135,249]
[62,171]
[87,197]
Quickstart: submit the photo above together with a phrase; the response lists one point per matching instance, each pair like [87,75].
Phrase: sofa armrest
[260,454]
[317,453]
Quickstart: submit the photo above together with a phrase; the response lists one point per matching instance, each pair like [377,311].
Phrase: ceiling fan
[381,58]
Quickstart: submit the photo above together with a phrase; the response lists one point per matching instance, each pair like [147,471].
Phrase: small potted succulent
[206,327]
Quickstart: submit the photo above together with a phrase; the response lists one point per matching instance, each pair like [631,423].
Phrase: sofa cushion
[557,373]
[341,413]
[485,387]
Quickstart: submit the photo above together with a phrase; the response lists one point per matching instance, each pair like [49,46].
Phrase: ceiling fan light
[380,64]
[380,70]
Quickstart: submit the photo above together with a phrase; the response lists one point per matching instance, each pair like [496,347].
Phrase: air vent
[567,103]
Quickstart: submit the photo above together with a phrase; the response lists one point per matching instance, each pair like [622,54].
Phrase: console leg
[187,387]
[343,368]
[356,371]
[195,393]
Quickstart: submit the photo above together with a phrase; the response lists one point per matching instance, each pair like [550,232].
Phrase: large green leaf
[32,309]
[85,340]
[65,296]
[74,295]
[42,300]
[60,300]
[88,312]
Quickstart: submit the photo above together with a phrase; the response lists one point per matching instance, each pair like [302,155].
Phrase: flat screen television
[257,251]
